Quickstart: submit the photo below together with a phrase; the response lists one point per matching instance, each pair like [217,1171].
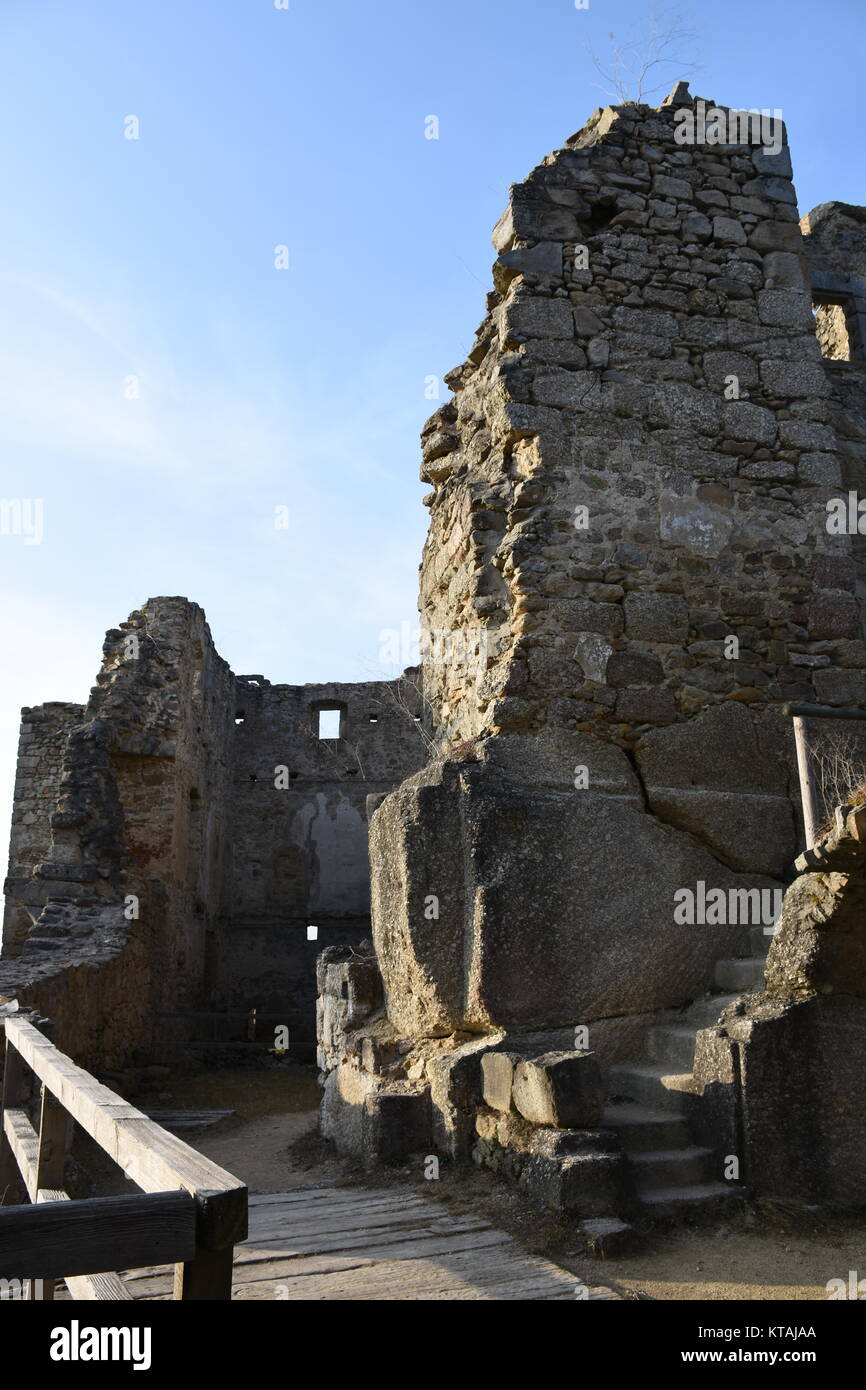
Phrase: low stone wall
[528,1106]
[780,1082]
[95,988]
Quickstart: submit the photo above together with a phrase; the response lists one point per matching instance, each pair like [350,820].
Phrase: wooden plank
[176,1120]
[91,1288]
[14,1093]
[349,1225]
[436,1256]
[391,1245]
[23,1141]
[303,1213]
[822,712]
[207,1277]
[55,1138]
[98,1288]
[808,783]
[55,1239]
[155,1160]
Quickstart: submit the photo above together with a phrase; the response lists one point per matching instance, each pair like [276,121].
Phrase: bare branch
[627,70]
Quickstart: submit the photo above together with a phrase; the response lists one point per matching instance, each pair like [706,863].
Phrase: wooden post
[14,1095]
[808,786]
[208,1276]
[55,1137]
[214,1204]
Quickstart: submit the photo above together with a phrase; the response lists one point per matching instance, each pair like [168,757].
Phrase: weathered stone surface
[794,379]
[750,832]
[497,1071]
[607,1236]
[539,318]
[634,668]
[702,777]
[799,1044]
[584,1185]
[341,1117]
[485,846]
[565,1143]
[728,231]
[656,617]
[396,1122]
[720,749]
[841,688]
[456,1088]
[563,1089]
[695,524]
[646,706]
[544,259]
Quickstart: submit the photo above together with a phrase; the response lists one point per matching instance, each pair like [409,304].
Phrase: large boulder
[501,904]
[724,777]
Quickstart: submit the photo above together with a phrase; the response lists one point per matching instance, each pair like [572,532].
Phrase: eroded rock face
[553,907]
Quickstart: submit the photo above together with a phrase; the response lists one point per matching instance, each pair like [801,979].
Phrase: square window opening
[329,723]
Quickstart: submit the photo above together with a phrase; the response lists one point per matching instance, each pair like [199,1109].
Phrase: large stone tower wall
[605,510]
[630,568]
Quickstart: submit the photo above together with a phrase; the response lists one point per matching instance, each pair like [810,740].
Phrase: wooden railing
[189,1212]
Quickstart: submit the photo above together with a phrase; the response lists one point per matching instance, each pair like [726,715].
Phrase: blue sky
[305,387]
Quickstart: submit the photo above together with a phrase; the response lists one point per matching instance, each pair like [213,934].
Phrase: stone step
[740,975]
[705,1011]
[657,1089]
[674,1047]
[683,1201]
[640,1128]
[662,1169]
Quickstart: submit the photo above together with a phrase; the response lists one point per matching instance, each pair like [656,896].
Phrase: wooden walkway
[338,1243]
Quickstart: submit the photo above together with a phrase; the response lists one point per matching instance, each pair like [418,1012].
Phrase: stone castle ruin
[174,839]
[572,902]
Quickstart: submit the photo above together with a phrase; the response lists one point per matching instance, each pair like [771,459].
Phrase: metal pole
[808,789]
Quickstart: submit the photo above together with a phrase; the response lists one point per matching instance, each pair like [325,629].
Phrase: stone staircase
[672,1175]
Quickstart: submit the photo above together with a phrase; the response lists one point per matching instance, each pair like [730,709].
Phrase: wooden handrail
[54,1239]
[175,1176]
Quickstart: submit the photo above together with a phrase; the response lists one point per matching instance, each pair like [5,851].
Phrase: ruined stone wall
[298,845]
[781,1079]
[610,388]
[119,932]
[630,553]
[44,732]
[834,240]
[157,867]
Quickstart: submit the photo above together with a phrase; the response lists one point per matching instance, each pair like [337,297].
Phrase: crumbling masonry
[630,556]
[629,519]
[173,840]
